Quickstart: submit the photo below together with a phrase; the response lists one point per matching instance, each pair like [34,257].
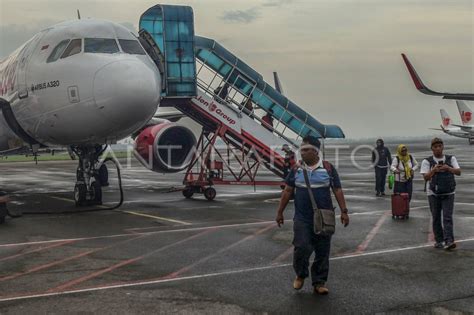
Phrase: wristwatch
[345,211]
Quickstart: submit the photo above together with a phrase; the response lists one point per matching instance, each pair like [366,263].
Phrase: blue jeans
[442,208]
[306,242]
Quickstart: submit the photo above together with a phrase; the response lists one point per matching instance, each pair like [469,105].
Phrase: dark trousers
[380,179]
[306,242]
[442,208]
[404,187]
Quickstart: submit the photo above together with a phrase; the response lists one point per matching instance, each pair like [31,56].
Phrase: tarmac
[162,253]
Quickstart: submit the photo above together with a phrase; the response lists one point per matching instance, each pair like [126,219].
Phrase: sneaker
[377,194]
[298,283]
[438,245]
[321,289]
[449,245]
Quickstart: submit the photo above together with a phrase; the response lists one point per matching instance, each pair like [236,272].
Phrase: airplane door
[24,59]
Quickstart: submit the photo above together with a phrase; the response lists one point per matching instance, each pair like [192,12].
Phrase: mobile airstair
[229,100]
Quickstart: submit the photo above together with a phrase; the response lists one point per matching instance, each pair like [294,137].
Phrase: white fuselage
[467,130]
[448,128]
[457,132]
[80,82]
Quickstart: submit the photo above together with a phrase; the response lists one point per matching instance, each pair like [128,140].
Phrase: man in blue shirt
[322,180]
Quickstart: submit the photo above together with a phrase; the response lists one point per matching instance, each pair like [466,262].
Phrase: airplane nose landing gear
[91,175]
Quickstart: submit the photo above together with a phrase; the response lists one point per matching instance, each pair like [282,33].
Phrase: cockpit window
[57,51]
[101,45]
[74,47]
[131,46]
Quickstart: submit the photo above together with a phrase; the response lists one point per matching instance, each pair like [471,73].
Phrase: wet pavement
[163,253]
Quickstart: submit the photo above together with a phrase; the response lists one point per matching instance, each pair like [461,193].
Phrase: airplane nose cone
[127,93]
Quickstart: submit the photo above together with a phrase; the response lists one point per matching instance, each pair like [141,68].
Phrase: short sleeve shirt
[321,182]
[426,168]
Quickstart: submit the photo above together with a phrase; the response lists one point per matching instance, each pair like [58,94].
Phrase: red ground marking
[87,277]
[36,250]
[67,259]
[284,255]
[363,246]
[187,268]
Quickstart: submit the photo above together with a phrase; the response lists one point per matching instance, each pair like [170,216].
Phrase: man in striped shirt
[322,177]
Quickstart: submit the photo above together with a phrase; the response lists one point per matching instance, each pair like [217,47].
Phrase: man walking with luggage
[382,159]
[439,171]
[322,176]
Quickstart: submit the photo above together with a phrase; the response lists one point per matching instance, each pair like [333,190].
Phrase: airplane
[451,129]
[425,90]
[85,84]
[466,118]
[88,83]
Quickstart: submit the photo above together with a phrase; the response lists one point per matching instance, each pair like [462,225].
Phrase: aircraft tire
[80,194]
[97,191]
[210,193]
[103,175]
[188,192]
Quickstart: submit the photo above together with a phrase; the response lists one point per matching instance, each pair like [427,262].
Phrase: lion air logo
[213,108]
[446,121]
[466,117]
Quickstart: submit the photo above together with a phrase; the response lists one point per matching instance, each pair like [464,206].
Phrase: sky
[337,59]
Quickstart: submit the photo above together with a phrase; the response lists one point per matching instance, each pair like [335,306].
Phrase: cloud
[249,15]
[130,26]
[241,16]
[13,36]
[275,3]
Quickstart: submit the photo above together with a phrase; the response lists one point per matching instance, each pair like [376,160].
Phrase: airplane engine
[165,148]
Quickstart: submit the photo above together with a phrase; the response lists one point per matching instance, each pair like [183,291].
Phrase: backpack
[411,160]
[328,167]
[443,182]
[398,163]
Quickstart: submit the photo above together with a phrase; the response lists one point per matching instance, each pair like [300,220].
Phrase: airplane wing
[25,150]
[173,116]
[15,151]
[465,128]
[425,90]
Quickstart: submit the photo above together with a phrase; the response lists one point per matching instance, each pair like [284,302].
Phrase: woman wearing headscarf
[404,166]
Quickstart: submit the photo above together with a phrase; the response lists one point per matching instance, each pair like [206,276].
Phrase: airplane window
[74,47]
[100,45]
[131,46]
[57,51]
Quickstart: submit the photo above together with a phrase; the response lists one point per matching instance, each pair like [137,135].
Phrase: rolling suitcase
[400,206]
